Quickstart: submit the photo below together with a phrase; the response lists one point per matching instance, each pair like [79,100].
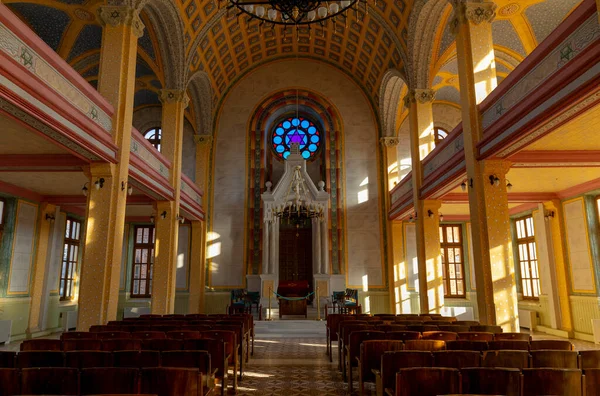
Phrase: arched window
[296,130]
[153,136]
[439,135]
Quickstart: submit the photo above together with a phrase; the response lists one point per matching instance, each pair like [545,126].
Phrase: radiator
[5,328]
[69,320]
[527,319]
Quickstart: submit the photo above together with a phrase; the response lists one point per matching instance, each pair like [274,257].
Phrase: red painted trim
[448,218]
[442,170]
[68,200]
[402,182]
[137,219]
[400,208]
[586,9]
[452,136]
[41,160]
[139,200]
[580,189]
[556,156]
[139,138]
[142,175]
[512,197]
[523,208]
[21,30]
[192,184]
[460,173]
[192,206]
[20,192]
[76,210]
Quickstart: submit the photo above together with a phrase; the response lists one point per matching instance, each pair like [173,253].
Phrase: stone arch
[389,97]
[201,94]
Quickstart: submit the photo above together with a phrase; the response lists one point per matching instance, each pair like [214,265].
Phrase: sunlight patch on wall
[363,195]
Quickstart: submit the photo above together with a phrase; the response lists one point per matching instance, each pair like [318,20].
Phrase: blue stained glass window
[296,130]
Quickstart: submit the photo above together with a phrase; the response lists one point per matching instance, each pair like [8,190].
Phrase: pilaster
[101,264]
[398,271]
[197,267]
[203,147]
[433,259]
[390,153]
[174,103]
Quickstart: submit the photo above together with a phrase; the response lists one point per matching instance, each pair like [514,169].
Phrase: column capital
[421,96]
[389,141]
[203,140]
[174,96]
[496,167]
[475,12]
[121,15]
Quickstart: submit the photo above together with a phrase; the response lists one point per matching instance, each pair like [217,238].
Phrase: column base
[322,281]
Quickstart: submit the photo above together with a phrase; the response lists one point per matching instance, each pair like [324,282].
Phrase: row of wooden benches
[99,381]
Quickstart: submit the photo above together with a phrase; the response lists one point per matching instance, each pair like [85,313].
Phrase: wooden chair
[512,337]
[103,328]
[391,362]
[403,335]
[591,381]
[109,380]
[456,359]
[409,322]
[486,329]
[552,381]
[41,344]
[228,338]
[425,345]
[475,336]
[7,359]
[427,381]
[513,345]
[390,327]
[146,335]
[162,344]
[554,359]
[136,359]
[77,335]
[238,329]
[557,345]
[82,344]
[40,359]
[344,334]
[491,381]
[88,359]
[422,328]
[331,329]
[370,359]
[453,328]
[189,359]
[589,359]
[170,381]
[10,381]
[218,358]
[50,381]
[465,345]
[106,335]
[439,335]
[150,316]
[352,351]
[467,323]
[506,359]
[184,335]
[122,344]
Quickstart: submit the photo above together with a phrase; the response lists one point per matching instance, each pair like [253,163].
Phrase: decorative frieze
[389,141]
[174,96]
[122,15]
[421,96]
[472,12]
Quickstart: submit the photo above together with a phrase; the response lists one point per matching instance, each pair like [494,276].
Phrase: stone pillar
[167,229]
[390,152]
[274,248]
[203,148]
[316,228]
[419,103]
[101,264]
[266,248]
[397,272]
[488,205]
[435,274]
[197,268]
[324,246]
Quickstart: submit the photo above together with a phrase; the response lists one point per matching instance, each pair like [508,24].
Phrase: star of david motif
[296,137]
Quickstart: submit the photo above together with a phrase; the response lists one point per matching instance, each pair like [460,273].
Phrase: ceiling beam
[41,163]
[555,158]
[523,197]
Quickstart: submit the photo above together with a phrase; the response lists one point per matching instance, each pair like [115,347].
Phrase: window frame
[72,262]
[436,136]
[2,217]
[530,243]
[444,246]
[155,142]
[150,263]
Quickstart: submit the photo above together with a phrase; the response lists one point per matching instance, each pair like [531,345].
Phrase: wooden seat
[424,345]
[439,335]
[514,345]
[184,335]
[467,323]
[465,345]
[40,359]
[82,344]
[109,380]
[555,359]
[403,335]
[453,328]
[162,344]
[41,344]
[146,335]
[591,381]
[77,335]
[104,328]
[552,381]
[456,359]
[422,328]
[476,336]
[506,359]
[409,322]
[8,359]
[345,328]
[390,327]
[189,359]
[170,381]
[370,358]
[86,359]
[352,351]
[512,337]
[136,359]
[486,329]
[105,335]
[122,344]
[427,381]
[391,362]
[50,381]
[491,381]
[228,338]
[589,359]
[10,381]
[219,360]
[557,345]
[238,329]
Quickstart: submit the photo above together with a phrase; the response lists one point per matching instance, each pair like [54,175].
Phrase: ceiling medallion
[297,13]
[84,15]
[509,10]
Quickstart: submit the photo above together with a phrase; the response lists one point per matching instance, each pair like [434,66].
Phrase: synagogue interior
[289,197]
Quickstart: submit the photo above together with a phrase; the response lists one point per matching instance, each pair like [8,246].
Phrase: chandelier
[298,206]
[296,12]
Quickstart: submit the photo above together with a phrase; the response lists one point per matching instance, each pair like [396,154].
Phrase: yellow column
[399,297]
[435,274]
[390,151]
[39,273]
[167,229]
[101,264]
[203,146]
[558,236]
[488,205]
[197,268]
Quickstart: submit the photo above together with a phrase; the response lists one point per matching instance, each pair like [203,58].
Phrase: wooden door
[295,254]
